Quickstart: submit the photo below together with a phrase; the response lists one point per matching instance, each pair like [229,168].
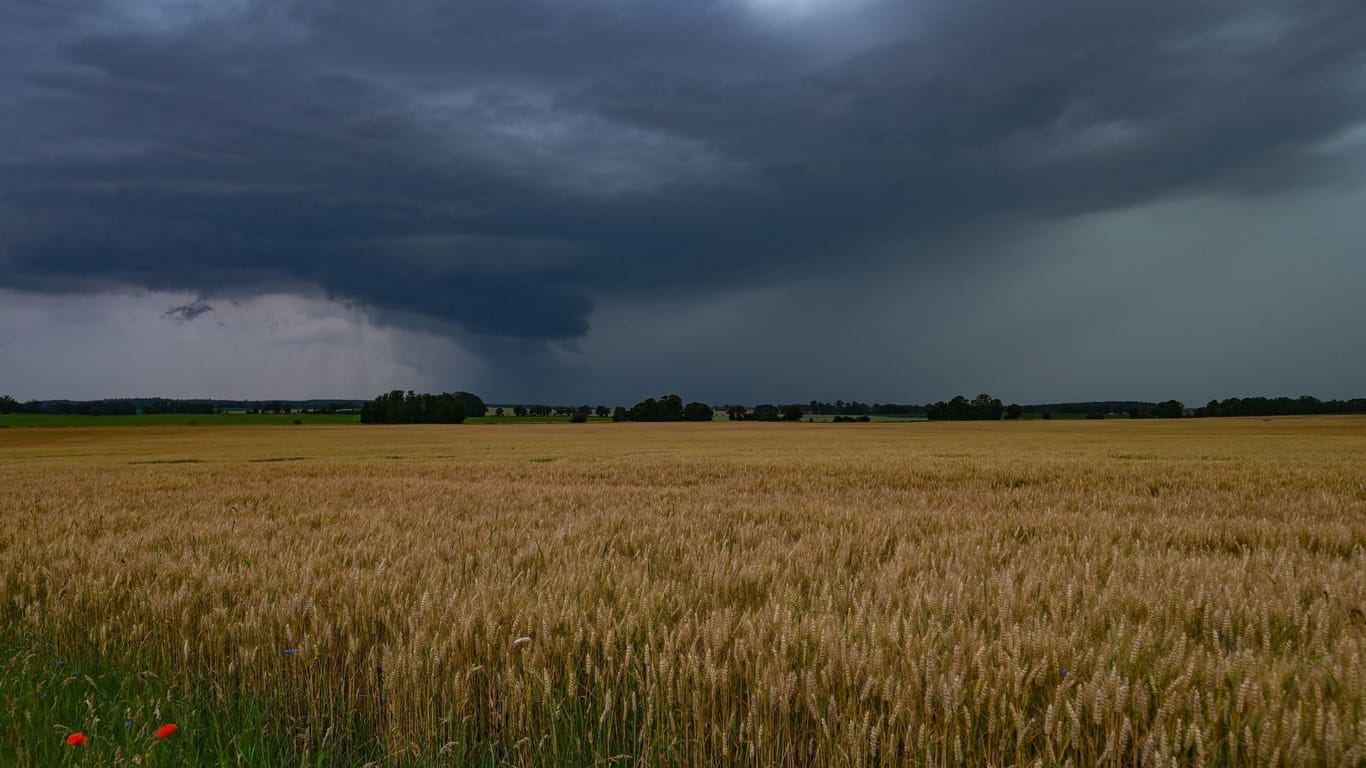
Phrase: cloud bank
[602,199]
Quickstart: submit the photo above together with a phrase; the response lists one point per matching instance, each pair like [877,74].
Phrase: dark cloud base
[496,171]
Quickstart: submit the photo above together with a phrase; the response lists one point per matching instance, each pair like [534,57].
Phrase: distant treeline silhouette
[855,408]
[981,408]
[399,407]
[666,408]
[1280,406]
[129,406]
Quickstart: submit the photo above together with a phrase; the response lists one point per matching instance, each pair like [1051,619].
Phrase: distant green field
[167,419]
[894,417]
[230,419]
[527,419]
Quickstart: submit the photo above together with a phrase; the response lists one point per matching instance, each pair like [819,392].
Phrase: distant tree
[398,407]
[765,412]
[602,411]
[1095,415]
[1170,409]
[1280,406]
[473,404]
[519,410]
[8,404]
[697,412]
[579,416]
[987,408]
[620,413]
[498,411]
[1014,411]
[736,412]
[981,408]
[671,408]
[792,412]
[667,408]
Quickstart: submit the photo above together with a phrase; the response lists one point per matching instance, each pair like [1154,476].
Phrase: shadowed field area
[1107,592]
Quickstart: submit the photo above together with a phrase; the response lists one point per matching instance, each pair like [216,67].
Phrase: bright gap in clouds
[147,343]
[798,8]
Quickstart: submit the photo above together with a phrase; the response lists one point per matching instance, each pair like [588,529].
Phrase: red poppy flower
[76,739]
[165,731]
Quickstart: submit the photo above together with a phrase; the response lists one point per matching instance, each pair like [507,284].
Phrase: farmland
[1043,592]
[233,419]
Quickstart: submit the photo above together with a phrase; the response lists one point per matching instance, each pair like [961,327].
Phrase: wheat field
[1005,594]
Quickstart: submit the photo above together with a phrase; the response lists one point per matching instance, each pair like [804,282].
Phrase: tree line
[855,408]
[984,407]
[399,407]
[131,406]
[666,408]
[69,407]
[1280,406]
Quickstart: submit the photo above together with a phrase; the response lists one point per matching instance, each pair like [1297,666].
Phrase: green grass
[172,419]
[45,697]
[19,420]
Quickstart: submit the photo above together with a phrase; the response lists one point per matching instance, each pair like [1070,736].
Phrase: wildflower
[289,651]
[76,739]
[127,723]
[1064,671]
[165,731]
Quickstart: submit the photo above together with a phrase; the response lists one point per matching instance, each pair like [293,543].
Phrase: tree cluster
[1280,406]
[1167,409]
[70,407]
[666,408]
[398,407]
[765,412]
[981,408]
[1091,406]
[163,405]
[555,410]
[855,408]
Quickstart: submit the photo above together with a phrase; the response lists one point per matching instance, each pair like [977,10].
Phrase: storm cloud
[546,184]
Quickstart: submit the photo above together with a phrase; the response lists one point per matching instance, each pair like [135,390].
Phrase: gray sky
[735,200]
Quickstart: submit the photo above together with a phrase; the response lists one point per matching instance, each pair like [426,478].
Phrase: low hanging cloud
[185,313]
[510,175]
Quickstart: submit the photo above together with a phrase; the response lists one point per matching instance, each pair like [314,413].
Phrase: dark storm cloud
[186,313]
[491,168]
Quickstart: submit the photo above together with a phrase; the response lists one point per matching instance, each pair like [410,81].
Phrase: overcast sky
[735,200]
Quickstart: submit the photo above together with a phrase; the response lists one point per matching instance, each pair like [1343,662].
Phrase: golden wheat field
[1005,594]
